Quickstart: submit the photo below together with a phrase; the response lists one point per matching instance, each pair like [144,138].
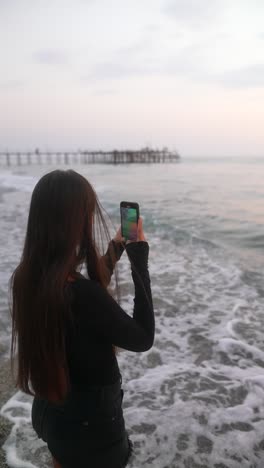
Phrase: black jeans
[87,430]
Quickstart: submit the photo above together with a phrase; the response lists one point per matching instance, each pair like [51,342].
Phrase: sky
[119,74]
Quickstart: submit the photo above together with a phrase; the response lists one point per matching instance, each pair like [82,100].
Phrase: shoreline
[7,390]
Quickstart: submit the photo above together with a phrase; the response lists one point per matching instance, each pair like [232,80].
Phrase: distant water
[196,399]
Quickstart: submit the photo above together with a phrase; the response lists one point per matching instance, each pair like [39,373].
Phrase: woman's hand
[140,232]
[141,235]
[118,237]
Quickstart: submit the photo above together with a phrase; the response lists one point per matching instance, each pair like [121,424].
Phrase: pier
[143,156]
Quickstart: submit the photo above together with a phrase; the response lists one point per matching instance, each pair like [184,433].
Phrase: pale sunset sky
[117,74]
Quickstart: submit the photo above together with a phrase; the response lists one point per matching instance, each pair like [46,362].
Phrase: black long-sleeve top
[101,324]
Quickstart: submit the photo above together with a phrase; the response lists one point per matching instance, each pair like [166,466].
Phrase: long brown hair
[64,218]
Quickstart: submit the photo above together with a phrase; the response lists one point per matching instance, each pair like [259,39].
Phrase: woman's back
[102,323]
[90,354]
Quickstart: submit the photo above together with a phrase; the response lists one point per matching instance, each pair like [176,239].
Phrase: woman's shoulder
[83,286]
[81,282]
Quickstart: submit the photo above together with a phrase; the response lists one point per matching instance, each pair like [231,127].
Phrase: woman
[66,327]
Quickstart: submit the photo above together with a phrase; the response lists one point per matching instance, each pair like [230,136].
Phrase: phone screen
[129,220]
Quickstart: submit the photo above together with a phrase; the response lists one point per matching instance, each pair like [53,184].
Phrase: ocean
[196,399]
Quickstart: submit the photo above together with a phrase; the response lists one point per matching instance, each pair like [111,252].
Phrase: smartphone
[129,220]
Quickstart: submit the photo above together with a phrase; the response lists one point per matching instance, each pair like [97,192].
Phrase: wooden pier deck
[143,156]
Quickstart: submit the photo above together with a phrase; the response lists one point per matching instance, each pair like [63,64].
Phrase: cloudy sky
[187,74]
